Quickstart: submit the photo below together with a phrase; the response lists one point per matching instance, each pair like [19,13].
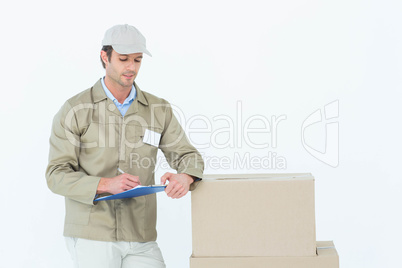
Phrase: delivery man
[104,141]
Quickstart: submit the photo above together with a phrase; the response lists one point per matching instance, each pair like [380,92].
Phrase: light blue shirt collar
[123,107]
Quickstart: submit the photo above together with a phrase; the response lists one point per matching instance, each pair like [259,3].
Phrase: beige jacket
[90,139]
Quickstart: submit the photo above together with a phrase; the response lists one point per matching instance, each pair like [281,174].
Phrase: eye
[124,59]
[138,60]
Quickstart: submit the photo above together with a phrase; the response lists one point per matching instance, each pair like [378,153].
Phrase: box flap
[259,176]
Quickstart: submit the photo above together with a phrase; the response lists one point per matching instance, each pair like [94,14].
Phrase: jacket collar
[140,95]
[99,94]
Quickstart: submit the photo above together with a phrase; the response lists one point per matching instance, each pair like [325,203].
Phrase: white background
[277,57]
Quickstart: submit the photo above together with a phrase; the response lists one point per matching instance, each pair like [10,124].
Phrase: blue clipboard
[137,191]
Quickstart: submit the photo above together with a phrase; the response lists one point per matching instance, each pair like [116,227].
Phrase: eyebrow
[126,55]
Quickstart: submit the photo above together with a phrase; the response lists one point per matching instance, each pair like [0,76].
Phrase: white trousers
[99,254]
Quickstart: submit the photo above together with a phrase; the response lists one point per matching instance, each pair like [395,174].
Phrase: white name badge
[151,137]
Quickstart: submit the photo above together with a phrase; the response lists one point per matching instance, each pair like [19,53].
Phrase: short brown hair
[108,50]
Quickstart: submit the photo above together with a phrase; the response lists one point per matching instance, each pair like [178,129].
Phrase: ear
[104,57]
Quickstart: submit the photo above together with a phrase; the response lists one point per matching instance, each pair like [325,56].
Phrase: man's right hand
[117,184]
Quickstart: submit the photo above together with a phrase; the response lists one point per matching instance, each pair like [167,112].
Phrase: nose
[130,66]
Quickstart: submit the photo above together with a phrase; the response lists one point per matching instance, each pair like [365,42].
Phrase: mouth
[128,76]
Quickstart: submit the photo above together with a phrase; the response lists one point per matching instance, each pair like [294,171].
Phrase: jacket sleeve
[63,174]
[179,153]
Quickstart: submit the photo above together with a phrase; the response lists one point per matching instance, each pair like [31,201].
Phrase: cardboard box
[254,215]
[326,257]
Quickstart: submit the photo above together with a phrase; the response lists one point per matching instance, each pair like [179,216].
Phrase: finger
[131,177]
[174,194]
[165,177]
[134,179]
[177,195]
[126,187]
[177,189]
[181,195]
[131,182]
[172,182]
[184,190]
[169,188]
[131,185]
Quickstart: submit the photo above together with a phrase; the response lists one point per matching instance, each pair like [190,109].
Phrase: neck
[119,92]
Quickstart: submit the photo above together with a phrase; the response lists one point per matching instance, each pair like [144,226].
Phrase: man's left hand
[179,184]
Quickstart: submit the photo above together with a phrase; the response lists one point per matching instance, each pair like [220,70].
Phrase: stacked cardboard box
[259,220]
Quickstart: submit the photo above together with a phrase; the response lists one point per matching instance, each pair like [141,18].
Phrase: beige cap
[125,39]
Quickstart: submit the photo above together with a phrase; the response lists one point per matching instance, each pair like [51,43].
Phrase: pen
[122,172]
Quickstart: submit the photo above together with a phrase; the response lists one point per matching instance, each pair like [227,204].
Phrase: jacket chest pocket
[141,140]
[99,135]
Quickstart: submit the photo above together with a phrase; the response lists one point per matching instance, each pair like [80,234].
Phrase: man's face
[122,69]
